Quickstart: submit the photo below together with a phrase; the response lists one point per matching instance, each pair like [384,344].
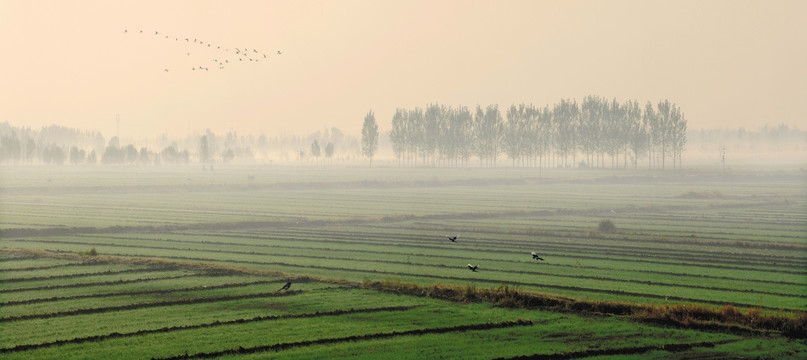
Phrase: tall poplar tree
[369,136]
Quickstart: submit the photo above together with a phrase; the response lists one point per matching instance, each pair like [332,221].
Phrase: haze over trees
[603,133]
[58,145]
[595,132]
[369,136]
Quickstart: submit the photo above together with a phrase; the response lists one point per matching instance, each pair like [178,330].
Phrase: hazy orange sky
[725,63]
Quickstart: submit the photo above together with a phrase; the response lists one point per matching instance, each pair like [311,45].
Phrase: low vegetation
[147,262]
[790,323]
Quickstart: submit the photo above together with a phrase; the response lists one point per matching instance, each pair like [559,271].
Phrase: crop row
[16,258]
[47,267]
[140,292]
[375,336]
[73,276]
[97,283]
[96,338]
[145,305]
[632,350]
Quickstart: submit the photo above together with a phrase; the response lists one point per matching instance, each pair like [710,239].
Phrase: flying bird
[278,52]
[285,287]
[536,257]
[473,268]
[453,238]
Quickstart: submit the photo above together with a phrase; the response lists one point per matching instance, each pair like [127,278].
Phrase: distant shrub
[606,226]
[714,194]
[91,252]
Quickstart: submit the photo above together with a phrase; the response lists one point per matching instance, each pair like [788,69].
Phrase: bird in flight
[536,257]
[453,238]
[285,287]
[473,268]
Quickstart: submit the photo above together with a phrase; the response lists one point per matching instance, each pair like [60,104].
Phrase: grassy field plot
[316,319]
[621,249]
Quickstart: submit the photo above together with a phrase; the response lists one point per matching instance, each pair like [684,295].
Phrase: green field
[235,236]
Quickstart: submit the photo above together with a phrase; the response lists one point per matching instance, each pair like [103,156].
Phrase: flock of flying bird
[473,268]
[226,55]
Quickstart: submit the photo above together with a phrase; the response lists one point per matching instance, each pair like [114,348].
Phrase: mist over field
[403,180]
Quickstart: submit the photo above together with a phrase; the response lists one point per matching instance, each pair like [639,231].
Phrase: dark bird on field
[285,287]
[453,238]
[535,256]
[473,268]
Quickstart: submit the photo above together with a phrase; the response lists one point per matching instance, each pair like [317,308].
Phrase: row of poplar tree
[596,132]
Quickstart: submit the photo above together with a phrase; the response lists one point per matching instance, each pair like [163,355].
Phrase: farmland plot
[242,315]
[697,238]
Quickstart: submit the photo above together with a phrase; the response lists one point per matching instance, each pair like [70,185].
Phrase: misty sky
[725,63]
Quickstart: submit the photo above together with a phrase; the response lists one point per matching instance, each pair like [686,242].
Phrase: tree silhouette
[369,136]
[315,150]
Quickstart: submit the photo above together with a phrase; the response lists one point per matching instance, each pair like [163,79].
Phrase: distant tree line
[56,145]
[598,130]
